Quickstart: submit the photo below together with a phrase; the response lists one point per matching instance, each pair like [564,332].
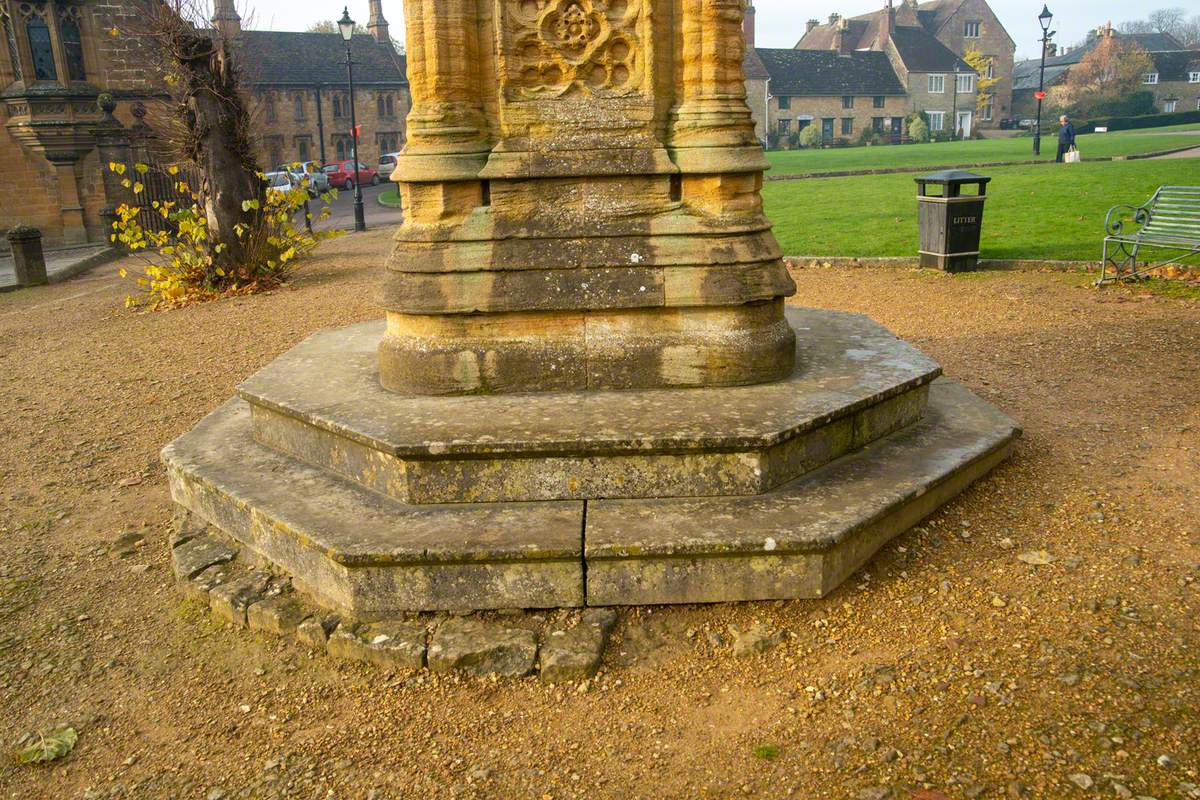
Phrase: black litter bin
[950,222]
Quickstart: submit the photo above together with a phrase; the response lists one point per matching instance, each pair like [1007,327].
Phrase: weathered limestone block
[573,654]
[185,526]
[482,649]
[230,600]
[198,554]
[385,644]
[280,614]
[315,631]
[198,587]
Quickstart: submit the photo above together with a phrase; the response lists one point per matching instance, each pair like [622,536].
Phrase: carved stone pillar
[446,129]
[578,258]
[711,126]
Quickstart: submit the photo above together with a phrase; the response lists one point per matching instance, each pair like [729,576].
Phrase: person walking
[1066,138]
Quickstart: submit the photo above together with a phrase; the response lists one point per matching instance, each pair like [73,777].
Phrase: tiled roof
[825,73]
[1150,42]
[933,15]
[281,58]
[822,36]
[921,52]
[1027,80]
[1175,65]
[752,65]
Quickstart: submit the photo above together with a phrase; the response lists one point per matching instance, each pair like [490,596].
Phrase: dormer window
[1151,79]
[1194,77]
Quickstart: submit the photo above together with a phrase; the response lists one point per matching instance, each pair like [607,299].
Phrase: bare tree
[210,124]
[1167,20]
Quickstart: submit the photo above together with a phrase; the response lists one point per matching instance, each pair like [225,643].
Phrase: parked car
[387,163]
[318,181]
[341,174]
[283,180]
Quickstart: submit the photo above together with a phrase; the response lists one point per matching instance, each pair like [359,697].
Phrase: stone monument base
[376,504]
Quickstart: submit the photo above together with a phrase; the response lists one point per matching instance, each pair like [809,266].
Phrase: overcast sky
[780,22]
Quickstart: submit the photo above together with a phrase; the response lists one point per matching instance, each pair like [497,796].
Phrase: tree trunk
[221,147]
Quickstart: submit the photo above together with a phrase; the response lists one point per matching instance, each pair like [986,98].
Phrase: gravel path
[1193,153]
[948,663]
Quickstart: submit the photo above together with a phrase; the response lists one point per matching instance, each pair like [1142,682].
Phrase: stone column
[26,243]
[112,146]
[712,130]
[69,204]
[447,137]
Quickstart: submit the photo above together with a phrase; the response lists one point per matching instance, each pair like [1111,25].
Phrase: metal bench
[1170,220]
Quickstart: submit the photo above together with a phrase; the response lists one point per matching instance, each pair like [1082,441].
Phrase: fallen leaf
[48,747]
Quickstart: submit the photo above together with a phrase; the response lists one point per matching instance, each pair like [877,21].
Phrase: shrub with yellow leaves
[180,260]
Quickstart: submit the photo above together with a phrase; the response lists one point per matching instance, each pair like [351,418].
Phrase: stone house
[757,78]
[58,58]
[1171,82]
[1175,81]
[843,93]
[925,43]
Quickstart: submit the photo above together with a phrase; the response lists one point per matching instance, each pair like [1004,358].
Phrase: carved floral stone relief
[556,47]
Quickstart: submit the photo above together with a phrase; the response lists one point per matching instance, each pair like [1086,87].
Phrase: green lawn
[1033,212]
[974,151]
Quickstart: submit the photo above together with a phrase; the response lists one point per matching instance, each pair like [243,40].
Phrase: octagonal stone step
[322,403]
[368,556]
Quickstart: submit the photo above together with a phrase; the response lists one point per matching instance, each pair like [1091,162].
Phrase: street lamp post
[346,26]
[954,115]
[1043,20]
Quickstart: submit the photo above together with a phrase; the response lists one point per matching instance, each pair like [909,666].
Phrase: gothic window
[337,106]
[391,110]
[72,43]
[299,104]
[269,108]
[11,39]
[379,104]
[40,49]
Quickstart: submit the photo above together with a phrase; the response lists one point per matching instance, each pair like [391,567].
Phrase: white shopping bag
[1072,156]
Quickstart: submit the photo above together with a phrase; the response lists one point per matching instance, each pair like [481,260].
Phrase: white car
[283,180]
[318,181]
[387,163]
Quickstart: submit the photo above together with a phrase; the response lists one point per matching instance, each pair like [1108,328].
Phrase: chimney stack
[891,19]
[225,19]
[377,26]
[833,19]
[841,39]
[812,23]
[748,23]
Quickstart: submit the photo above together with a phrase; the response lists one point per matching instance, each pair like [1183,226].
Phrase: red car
[341,174]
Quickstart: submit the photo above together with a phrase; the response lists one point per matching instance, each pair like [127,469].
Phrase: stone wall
[1186,95]
[292,127]
[993,42]
[863,113]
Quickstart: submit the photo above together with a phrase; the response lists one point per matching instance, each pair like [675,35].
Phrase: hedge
[1146,121]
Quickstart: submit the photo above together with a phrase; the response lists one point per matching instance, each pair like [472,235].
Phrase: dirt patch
[947,662]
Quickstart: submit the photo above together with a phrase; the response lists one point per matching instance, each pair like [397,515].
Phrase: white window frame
[1194,77]
[938,81]
[937,120]
[991,70]
[967,78]
[985,113]
[1169,106]
[1150,79]
[972,30]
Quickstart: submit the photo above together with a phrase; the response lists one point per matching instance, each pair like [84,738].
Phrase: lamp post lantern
[1044,19]
[346,27]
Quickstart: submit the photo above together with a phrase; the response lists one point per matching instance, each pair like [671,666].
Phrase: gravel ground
[948,667]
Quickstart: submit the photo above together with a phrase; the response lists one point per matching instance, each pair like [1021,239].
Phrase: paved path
[60,264]
[1193,153]
[375,214]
